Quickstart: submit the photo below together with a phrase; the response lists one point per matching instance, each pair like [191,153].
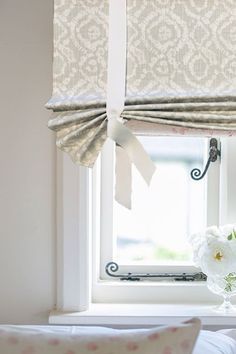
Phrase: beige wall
[27,163]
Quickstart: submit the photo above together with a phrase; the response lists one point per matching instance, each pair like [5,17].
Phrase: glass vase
[224,286]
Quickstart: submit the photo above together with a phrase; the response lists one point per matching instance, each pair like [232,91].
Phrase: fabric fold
[87,128]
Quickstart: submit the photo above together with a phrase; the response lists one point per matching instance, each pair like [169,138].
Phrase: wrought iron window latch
[214,153]
[112,269]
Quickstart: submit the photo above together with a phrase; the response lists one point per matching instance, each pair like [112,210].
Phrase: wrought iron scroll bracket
[214,153]
[112,268]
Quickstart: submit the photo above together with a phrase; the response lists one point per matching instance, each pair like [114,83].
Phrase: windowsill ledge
[142,315]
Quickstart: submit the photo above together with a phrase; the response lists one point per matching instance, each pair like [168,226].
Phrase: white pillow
[84,340]
[214,343]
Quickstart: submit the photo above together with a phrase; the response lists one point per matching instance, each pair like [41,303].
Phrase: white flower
[201,239]
[216,257]
[214,250]
[212,232]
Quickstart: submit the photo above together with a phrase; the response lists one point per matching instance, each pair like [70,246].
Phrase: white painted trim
[104,207]
[73,240]
[224,188]
[213,190]
[142,315]
[121,292]
[228,181]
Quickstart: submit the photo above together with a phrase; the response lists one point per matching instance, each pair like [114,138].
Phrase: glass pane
[163,215]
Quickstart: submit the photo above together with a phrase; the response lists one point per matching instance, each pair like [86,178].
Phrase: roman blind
[179,77]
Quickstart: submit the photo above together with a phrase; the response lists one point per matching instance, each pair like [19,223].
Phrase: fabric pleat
[82,133]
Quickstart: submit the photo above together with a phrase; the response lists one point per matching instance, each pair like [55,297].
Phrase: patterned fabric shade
[180,75]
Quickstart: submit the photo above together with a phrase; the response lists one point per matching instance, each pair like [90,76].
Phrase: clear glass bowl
[224,286]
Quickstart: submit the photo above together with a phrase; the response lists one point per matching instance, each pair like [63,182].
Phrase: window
[145,235]
[174,206]
[83,251]
[152,237]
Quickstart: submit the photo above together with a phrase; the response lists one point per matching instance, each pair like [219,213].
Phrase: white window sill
[142,315]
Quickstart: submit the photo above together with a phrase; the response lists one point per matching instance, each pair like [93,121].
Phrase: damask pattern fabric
[181,71]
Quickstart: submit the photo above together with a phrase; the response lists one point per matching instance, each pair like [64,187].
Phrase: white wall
[27,163]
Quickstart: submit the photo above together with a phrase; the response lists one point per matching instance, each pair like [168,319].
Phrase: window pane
[163,215]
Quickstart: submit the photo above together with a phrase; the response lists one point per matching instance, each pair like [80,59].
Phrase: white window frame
[77,288]
[106,290]
[103,175]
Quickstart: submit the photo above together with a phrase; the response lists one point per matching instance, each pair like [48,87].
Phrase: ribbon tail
[123,186]
[134,149]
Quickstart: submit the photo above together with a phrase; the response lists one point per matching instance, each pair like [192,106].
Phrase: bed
[70,340]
